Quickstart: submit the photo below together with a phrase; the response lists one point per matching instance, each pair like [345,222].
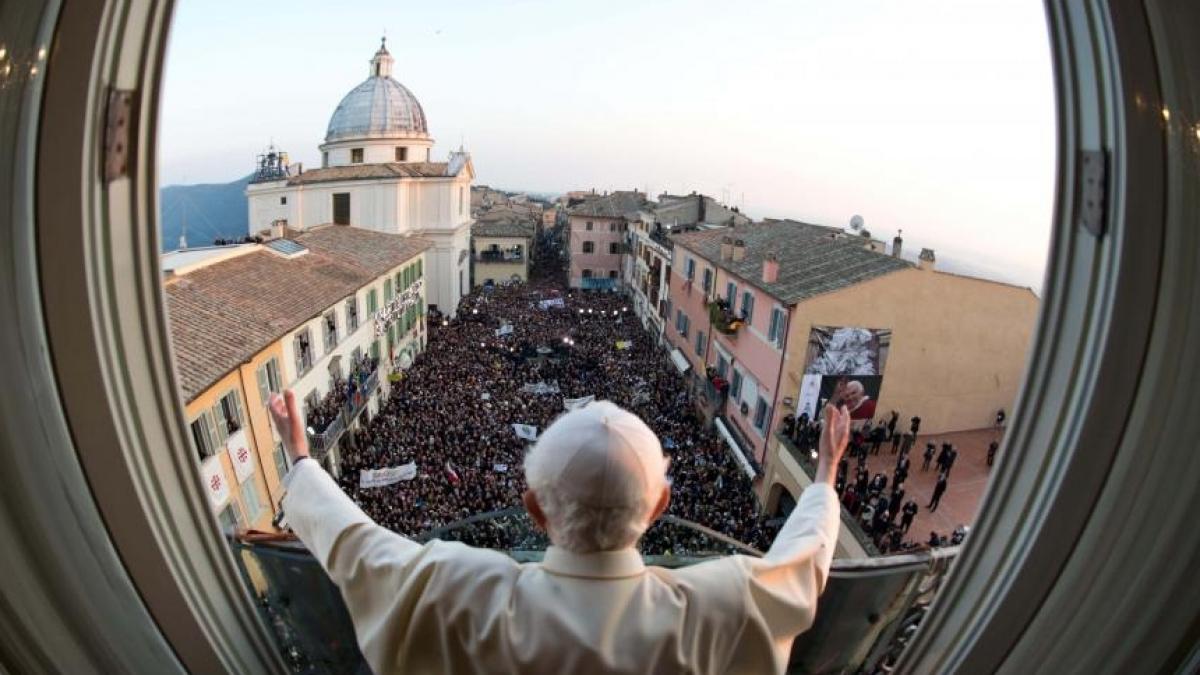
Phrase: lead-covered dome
[380,107]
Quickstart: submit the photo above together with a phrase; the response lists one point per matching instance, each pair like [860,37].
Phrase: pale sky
[932,117]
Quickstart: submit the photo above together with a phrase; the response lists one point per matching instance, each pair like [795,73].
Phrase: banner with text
[526,431]
[370,478]
[576,403]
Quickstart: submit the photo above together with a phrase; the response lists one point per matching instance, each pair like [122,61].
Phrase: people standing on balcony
[597,479]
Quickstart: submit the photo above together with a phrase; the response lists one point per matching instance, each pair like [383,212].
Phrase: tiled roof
[503,228]
[223,314]
[811,261]
[613,205]
[372,172]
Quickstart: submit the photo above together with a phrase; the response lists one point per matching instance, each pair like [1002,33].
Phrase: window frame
[356,155]
[1104,296]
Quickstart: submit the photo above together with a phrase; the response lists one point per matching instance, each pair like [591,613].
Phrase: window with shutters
[387,291]
[689,269]
[202,435]
[776,332]
[230,518]
[281,461]
[589,226]
[302,346]
[251,499]
[589,247]
[700,343]
[372,302]
[731,294]
[735,387]
[614,247]
[228,415]
[760,415]
[722,366]
[708,279]
[341,208]
[269,380]
[330,329]
[375,349]
[352,314]
[748,306]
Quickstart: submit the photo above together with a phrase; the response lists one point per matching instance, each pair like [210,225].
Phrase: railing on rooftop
[500,257]
[868,612]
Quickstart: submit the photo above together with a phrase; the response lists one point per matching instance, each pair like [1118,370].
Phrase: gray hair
[580,528]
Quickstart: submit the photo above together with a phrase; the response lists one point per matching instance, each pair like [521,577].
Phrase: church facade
[377,173]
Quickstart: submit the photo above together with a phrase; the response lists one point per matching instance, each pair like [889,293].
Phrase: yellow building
[235,312]
[500,252]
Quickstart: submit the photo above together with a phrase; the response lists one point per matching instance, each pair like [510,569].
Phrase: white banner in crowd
[526,431]
[500,468]
[570,404]
[506,329]
[239,455]
[540,388]
[214,481]
[369,478]
[552,302]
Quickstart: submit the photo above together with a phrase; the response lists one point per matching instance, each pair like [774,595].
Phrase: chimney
[897,244]
[726,248]
[926,260]
[277,228]
[700,209]
[770,270]
[739,250]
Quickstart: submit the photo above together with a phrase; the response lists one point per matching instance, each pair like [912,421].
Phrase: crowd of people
[878,501]
[341,396]
[517,355]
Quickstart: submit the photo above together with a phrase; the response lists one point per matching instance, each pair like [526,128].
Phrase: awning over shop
[735,447]
[680,361]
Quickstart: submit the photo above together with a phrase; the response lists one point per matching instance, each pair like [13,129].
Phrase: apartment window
[228,415]
[589,226]
[356,155]
[760,414]
[375,349]
[324,159]
[401,154]
[230,518]
[281,463]
[778,321]
[268,379]
[614,247]
[587,274]
[689,269]
[612,227]
[722,366]
[331,332]
[748,306]
[589,247]
[681,322]
[302,344]
[700,342]
[282,201]
[387,291]
[708,279]
[341,208]
[730,294]
[420,269]
[612,274]
[251,500]
[372,302]
[202,435]
[735,387]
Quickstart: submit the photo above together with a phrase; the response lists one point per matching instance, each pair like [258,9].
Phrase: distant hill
[212,210]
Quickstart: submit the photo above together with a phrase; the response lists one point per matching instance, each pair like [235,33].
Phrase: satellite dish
[856,223]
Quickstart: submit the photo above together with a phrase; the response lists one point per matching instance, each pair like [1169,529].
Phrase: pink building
[596,238]
[733,292]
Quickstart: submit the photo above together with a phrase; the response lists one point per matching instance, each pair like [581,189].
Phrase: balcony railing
[320,443]
[868,612]
[724,320]
[499,257]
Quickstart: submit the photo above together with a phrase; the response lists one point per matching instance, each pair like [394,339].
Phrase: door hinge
[118,134]
[1093,191]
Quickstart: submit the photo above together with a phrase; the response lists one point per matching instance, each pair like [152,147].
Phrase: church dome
[380,107]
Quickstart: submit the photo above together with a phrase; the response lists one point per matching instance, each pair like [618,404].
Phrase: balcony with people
[724,320]
[328,418]
[496,254]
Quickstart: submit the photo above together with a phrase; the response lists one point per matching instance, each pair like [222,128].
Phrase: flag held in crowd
[526,431]
[451,474]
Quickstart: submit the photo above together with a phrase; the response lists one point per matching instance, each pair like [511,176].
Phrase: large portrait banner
[844,365]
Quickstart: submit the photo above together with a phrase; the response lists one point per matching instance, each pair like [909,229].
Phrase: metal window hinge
[1093,191]
[118,134]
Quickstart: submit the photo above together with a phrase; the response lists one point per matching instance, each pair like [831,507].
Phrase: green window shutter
[264,384]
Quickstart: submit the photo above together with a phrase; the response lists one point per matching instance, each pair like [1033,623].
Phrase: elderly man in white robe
[597,480]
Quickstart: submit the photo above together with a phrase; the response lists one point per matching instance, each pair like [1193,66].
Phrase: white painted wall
[377,151]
